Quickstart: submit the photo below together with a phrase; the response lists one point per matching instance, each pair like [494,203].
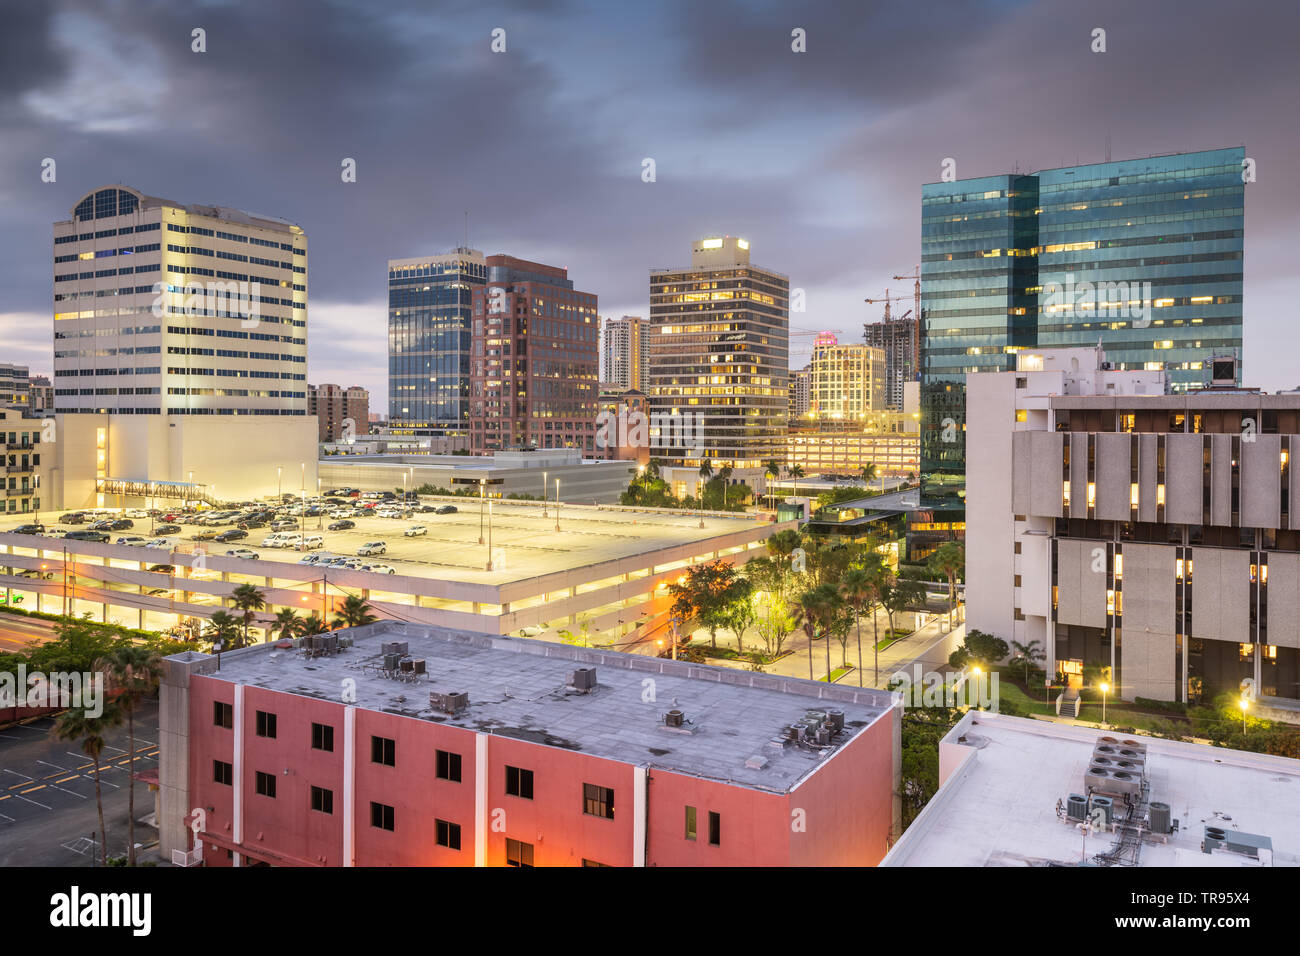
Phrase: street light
[1104,688]
[279,484]
[489,541]
[557,504]
[976,671]
[544,494]
[1244,703]
[482,497]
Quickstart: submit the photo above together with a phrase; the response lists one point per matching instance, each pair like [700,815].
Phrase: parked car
[343,525]
[415,531]
[163,568]
[246,553]
[387,513]
[158,543]
[137,513]
[448,510]
[37,575]
[83,535]
[123,524]
[377,569]
[251,524]
[164,530]
[283,524]
[30,529]
[203,536]
[372,547]
[133,539]
[101,526]
[75,517]
[310,543]
[532,630]
[233,534]
[346,563]
[319,558]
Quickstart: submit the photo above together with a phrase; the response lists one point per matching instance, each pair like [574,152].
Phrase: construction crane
[915,311]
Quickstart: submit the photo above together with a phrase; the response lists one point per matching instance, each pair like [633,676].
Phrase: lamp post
[1244,703]
[482,497]
[191,485]
[1104,689]
[320,512]
[279,484]
[489,540]
[544,486]
[557,504]
[976,671]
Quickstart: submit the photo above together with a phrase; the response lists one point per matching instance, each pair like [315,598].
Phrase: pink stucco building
[412,746]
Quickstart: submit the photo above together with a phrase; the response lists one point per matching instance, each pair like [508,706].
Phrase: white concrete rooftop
[1004,775]
[517,688]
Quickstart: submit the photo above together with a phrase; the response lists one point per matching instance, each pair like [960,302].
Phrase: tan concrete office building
[847,381]
[1116,524]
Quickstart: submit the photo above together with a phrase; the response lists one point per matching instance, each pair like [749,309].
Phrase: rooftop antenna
[466,228]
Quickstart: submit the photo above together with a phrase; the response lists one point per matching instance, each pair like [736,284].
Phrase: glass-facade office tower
[719,349]
[1143,256]
[429,303]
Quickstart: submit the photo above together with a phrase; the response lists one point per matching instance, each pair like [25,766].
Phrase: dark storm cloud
[817,158]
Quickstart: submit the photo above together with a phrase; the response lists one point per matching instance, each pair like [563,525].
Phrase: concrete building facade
[335,406]
[847,382]
[623,352]
[1097,501]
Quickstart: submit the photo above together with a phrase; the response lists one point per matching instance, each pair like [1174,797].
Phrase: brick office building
[512,762]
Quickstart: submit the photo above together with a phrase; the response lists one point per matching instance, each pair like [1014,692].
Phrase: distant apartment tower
[169,308]
[40,395]
[900,340]
[847,381]
[429,302]
[623,351]
[800,391]
[334,406]
[21,472]
[13,386]
[534,360]
[720,349]
[1141,255]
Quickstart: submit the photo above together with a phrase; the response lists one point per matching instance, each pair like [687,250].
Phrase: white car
[160,543]
[372,547]
[377,569]
[137,513]
[246,553]
[387,513]
[341,513]
[415,531]
[134,539]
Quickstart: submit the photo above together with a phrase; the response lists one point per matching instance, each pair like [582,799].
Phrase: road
[18,633]
[47,792]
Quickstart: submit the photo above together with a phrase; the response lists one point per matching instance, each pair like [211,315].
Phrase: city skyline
[788,198]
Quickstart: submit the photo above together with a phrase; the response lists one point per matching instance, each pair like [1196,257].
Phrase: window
[223,715]
[715,829]
[322,799]
[518,854]
[384,751]
[597,801]
[381,816]
[690,823]
[322,737]
[223,772]
[448,766]
[519,783]
[448,834]
[266,784]
[265,724]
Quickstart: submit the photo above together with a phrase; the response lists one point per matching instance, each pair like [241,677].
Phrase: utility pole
[65,582]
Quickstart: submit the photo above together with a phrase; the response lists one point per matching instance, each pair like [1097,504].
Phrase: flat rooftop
[999,807]
[524,544]
[517,688]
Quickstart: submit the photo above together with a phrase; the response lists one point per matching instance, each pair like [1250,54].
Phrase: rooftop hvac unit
[1112,741]
[1076,807]
[1214,839]
[1105,763]
[331,643]
[406,665]
[418,665]
[452,703]
[1160,818]
[1248,843]
[1112,781]
[392,661]
[1107,805]
[674,718]
[837,718]
[345,640]
[1105,750]
[400,648]
[823,735]
[1137,745]
[793,732]
[583,679]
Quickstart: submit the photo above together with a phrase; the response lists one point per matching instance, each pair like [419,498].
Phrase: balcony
[19,492]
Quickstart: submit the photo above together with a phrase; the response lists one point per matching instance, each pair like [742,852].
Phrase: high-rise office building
[900,339]
[429,301]
[800,392]
[13,386]
[534,360]
[1143,256]
[720,350]
[847,381]
[335,406]
[40,395]
[622,351]
[168,308]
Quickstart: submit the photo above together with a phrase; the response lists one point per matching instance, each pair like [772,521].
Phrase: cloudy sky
[817,158]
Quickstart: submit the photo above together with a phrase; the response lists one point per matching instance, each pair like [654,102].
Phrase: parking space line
[75,776]
[54,765]
[30,800]
[80,796]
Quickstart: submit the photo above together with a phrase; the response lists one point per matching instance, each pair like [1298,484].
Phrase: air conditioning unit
[674,718]
[400,648]
[392,661]
[1076,807]
[452,703]
[418,665]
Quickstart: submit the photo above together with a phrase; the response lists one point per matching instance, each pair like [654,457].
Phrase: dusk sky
[817,158]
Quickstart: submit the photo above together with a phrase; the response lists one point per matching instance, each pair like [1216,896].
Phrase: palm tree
[795,471]
[77,724]
[949,559]
[724,475]
[223,629]
[773,471]
[354,612]
[248,599]
[313,625]
[868,474]
[855,589]
[134,673]
[286,623]
[878,581]
[816,609]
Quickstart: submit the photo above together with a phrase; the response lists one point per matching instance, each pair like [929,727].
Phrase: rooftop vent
[674,718]
[400,648]
[583,679]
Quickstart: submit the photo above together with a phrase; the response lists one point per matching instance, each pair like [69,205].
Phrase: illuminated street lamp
[482,497]
[557,504]
[976,671]
[1244,704]
[489,540]
[544,486]
[1104,689]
